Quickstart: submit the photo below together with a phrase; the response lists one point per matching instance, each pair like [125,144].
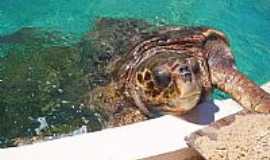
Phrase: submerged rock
[41,77]
[45,74]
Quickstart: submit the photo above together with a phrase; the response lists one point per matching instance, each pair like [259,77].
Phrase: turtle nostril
[183,69]
[185,73]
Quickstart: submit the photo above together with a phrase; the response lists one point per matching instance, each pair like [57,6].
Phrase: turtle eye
[162,78]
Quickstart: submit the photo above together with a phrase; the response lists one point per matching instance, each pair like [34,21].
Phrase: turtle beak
[188,90]
[185,81]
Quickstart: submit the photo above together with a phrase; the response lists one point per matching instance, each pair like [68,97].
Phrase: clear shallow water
[246,23]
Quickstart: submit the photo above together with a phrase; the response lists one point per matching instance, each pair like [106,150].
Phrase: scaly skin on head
[175,53]
[169,82]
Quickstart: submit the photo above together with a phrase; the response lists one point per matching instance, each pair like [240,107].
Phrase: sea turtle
[166,70]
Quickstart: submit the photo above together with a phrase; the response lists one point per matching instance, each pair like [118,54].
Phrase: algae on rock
[41,77]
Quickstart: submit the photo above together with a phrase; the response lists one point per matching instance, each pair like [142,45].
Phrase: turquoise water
[246,23]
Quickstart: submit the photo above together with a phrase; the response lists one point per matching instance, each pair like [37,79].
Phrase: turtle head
[169,83]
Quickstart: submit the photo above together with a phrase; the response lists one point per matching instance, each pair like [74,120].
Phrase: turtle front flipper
[226,77]
[243,90]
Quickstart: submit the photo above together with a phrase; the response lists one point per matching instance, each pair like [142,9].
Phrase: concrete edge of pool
[161,138]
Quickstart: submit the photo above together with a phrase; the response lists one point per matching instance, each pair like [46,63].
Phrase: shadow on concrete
[203,114]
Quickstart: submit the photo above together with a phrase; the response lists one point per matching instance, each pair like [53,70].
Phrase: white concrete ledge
[136,141]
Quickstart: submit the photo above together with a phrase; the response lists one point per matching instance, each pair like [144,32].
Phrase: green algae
[45,74]
[41,78]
